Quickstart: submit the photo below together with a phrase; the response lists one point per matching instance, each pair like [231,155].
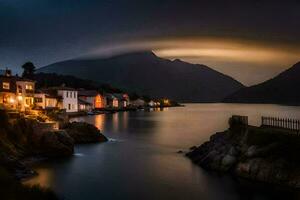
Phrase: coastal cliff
[262,154]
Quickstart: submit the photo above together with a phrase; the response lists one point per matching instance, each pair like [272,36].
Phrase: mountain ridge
[147,73]
[281,89]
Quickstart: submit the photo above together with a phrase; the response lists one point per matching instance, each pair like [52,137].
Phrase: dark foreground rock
[56,144]
[256,153]
[84,133]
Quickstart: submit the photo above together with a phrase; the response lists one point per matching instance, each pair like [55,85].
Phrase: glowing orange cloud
[238,58]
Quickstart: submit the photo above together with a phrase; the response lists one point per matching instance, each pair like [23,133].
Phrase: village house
[123,100]
[92,97]
[84,105]
[47,100]
[112,101]
[67,97]
[138,102]
[16,92]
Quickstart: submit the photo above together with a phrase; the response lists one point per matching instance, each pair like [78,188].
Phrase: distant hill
[145,73]
[44,80]
[282,89]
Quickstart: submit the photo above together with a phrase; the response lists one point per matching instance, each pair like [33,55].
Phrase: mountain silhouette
[148,74]
[282,89]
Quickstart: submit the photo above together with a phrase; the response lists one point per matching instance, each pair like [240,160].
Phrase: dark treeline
[44,80]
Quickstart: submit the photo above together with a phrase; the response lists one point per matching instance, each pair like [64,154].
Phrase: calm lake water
[140,161]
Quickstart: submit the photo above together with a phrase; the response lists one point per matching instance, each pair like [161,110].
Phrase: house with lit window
[123,100]
[25,93]
[67,97]
[44,99]
[16,92]
[84,105]
[112,101]
[92,97]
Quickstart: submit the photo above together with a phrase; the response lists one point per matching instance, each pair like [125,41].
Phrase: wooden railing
[286,123]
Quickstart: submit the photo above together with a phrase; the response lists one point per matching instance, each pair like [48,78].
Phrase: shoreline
[112,111]
[260,154]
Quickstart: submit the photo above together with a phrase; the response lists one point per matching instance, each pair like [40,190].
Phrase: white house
[68,96]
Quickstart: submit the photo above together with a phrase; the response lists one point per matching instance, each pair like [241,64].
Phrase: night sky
[249,41]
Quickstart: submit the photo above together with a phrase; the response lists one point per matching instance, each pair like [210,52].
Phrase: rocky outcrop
[24,137]
[56,144]
[256,153]
[82,132]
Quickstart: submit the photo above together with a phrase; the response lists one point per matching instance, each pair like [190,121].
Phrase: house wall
[115,103]
[138,102]
[8,100]
[8,93]
[45,102]
[96,101]
[70,101]
[40,103]
[51,102]
[123,104]
[84,107]
[100,101]
[25,94]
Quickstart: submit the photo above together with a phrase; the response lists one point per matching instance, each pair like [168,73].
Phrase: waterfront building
[112,101]
[84,105]
[15,92]
[93,97]
[138,102]
[68,96]
[123,99]
[47,100]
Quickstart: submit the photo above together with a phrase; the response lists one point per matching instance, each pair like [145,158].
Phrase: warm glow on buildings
[98,101]
[115,103]
[166,102]
[11,100]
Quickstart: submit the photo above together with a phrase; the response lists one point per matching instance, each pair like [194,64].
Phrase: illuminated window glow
[6,85]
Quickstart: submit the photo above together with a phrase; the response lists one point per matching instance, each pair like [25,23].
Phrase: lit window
[28,87]
[5,85]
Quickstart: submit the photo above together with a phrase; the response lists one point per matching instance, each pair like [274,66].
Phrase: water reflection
[99,121]
[143,163]
[45,178]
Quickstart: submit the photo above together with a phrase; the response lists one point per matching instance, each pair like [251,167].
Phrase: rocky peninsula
[264,154]
[24,139]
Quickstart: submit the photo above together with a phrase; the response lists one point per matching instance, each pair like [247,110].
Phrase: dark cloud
[45,31]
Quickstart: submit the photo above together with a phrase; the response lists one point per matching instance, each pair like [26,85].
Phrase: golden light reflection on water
[99,121]
[45,178]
